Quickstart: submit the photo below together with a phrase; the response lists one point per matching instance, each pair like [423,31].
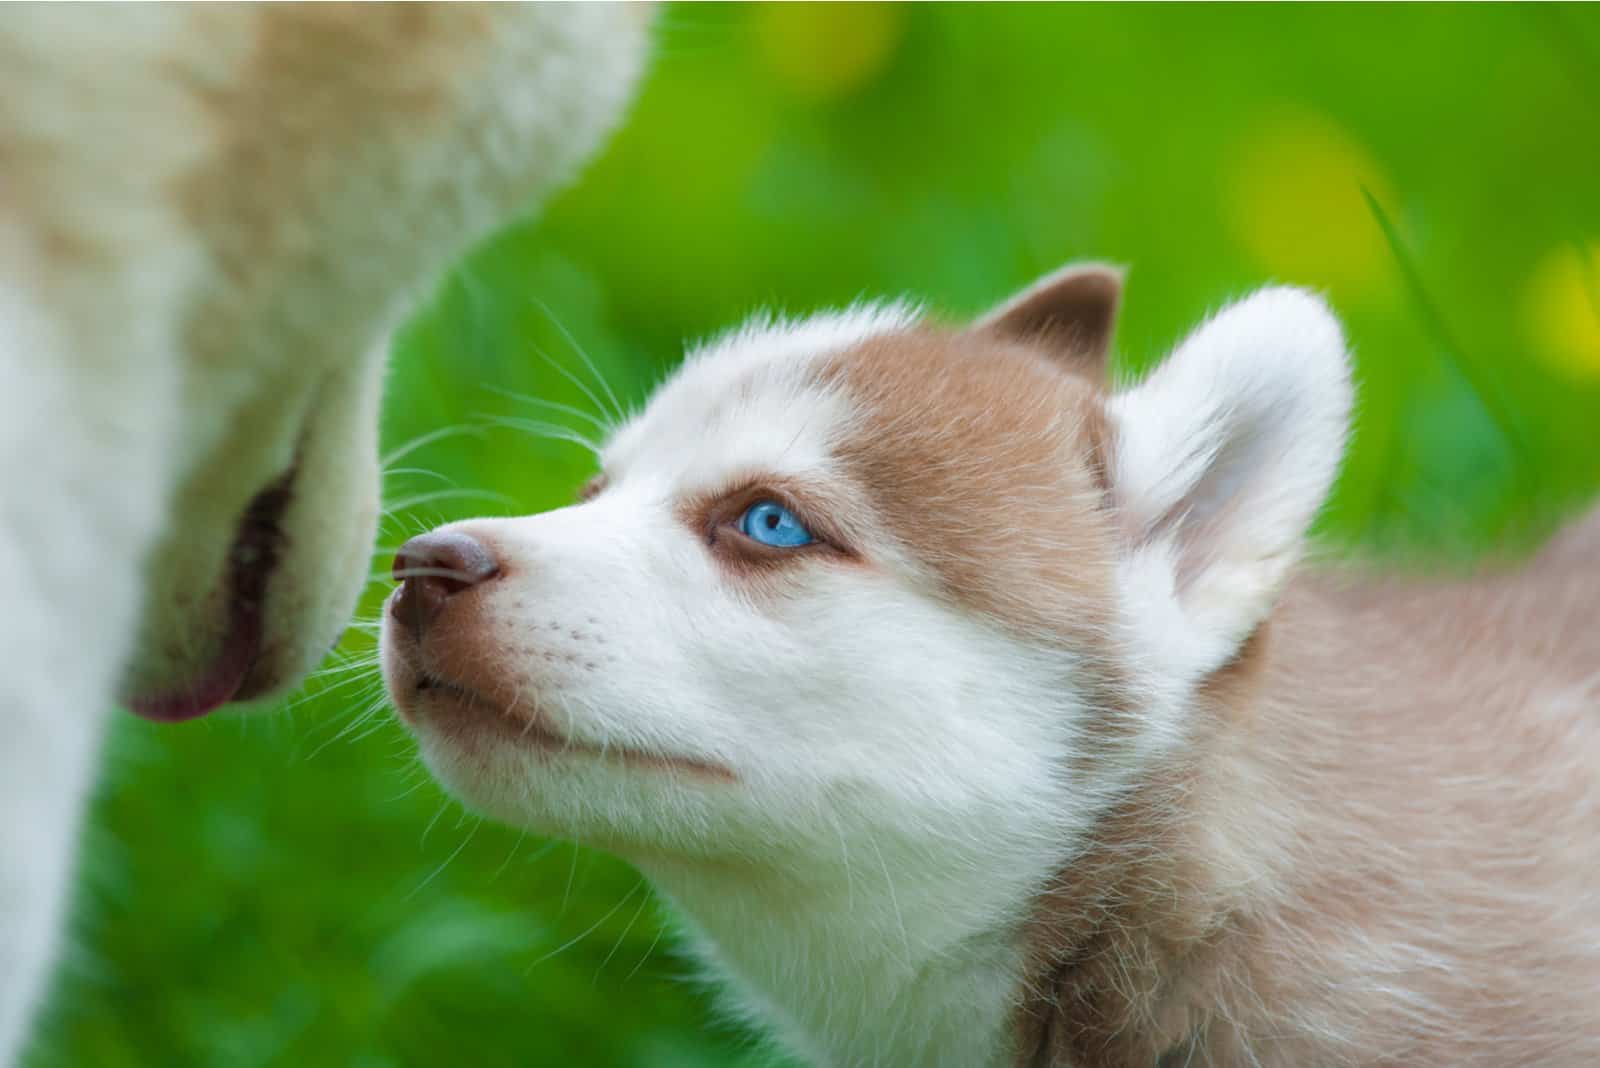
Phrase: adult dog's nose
[431,569]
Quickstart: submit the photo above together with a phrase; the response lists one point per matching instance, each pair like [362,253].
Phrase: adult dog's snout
[434,567]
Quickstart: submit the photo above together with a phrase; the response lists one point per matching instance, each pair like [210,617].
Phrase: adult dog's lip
[254,556]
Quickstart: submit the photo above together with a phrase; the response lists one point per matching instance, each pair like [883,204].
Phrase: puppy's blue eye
[771,523]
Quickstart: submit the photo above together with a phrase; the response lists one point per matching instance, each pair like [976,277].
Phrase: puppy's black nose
[432,568]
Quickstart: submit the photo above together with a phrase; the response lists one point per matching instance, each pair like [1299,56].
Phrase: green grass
[291,889]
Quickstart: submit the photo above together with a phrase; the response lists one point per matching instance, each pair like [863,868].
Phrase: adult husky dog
[208,215]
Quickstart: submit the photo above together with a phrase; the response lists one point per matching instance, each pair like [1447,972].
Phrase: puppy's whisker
[504,864]
[432,572]
[421,777]
[334,687]
[551,431]
[362,724]
[358,664]
[422,471]
[453,494]
[570,377]
[434,874]
[388,549]
[375,724]
[423,440]
[601,425]
[591,929]
[644,903]
[444,806]
[616,405]
[649,951]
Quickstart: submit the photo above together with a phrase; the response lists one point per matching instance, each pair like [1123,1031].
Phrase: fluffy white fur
[208,215]
[1220,460]
[752,393]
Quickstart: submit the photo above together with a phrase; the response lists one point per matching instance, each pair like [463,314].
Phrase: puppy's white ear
[1070,313]
[1220,460]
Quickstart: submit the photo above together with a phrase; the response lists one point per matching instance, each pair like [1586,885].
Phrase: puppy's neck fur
[877,960]
[1378,828]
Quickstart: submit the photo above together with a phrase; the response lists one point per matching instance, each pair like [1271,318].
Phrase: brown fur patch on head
[979,457]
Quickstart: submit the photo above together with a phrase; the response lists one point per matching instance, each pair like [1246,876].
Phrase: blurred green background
[292,889]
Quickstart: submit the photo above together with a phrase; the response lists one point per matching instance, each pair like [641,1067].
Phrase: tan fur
[997,493]
[1379,849]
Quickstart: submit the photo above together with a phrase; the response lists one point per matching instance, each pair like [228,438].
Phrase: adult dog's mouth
[254,556]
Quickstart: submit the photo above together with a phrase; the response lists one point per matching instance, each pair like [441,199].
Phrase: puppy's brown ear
[1071,313]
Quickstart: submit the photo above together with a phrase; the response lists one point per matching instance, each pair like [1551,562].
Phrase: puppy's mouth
[257,547]
[532,731]
[529,730]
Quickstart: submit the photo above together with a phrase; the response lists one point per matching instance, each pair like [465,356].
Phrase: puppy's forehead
[978,457]
[752,400]
[982,458]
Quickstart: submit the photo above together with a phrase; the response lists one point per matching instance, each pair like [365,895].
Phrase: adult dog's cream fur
[1043,753]
[208,215]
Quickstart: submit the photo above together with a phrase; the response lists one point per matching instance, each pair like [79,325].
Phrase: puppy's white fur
[208,215]
[899,782]
[1221,459]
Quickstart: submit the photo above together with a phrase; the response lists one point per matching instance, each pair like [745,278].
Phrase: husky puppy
[208,216]
[973,712]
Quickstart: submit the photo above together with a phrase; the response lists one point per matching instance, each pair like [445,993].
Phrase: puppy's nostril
[431,569]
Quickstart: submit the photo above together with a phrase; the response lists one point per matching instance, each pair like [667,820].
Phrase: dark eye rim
[718,522]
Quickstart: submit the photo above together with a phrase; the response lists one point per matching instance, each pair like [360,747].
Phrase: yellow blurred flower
[1292,198]
[827,51]
[1561,310]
